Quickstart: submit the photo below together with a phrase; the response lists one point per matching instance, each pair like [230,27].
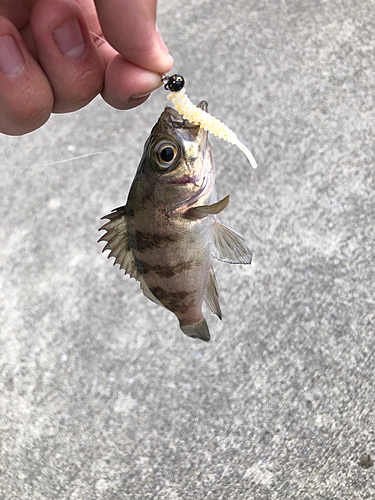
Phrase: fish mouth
[207,182]
[172,115]
[189,132]
[186,180]
[174,118]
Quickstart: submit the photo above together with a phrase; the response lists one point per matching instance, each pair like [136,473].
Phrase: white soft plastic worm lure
[200,117]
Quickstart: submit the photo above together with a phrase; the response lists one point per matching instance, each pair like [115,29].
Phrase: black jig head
[174,83]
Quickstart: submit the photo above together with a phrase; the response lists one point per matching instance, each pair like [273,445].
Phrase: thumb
[130,27]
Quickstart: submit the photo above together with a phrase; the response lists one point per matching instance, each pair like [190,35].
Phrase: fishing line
[67,159]
[97,36]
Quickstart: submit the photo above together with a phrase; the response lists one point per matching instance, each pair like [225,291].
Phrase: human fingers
[66,53]
[26,97]
[17,11]
[130,27]
[127,85]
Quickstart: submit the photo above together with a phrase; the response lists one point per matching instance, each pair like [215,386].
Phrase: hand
[50,62]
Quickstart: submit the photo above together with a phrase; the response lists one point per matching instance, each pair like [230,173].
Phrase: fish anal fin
[203,210]
[211,296]
[117,241]
[228,245]
[197,330]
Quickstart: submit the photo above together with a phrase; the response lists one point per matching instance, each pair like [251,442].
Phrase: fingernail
[137,99]
[163,47]
[11,59]
[140,96]
[69,39]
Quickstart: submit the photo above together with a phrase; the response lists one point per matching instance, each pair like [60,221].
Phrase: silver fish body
[167,232]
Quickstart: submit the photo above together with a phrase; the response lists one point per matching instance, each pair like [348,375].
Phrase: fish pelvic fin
[211,296]
[197,330]
[203,210]
[228,245]
[117,240]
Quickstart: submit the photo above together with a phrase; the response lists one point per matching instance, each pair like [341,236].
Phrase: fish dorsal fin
[211,296]
[117,241]
[228,245]
[204,210]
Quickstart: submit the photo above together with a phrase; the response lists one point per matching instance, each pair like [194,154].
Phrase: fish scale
[168,231]
[172,275]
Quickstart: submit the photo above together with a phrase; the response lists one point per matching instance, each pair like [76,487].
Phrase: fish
[168,232]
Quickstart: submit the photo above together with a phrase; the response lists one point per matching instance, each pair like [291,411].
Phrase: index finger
[130,27]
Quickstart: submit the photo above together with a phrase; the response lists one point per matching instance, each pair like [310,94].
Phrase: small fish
[168,231]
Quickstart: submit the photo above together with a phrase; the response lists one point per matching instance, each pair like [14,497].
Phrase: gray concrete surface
[101,395]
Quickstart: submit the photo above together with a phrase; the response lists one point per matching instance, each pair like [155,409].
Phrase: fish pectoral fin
[211,296]
[116,237]
[204,210]
[228,245]
[197,331]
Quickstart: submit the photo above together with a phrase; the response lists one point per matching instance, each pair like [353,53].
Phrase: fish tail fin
[197,330]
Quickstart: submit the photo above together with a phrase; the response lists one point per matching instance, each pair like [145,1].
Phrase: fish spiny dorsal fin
[204,210]
[211,296]
[228,245]
[117,241]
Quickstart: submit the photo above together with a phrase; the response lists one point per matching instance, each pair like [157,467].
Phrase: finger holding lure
[198,116]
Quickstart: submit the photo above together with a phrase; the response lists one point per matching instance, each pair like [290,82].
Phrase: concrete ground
[101,395]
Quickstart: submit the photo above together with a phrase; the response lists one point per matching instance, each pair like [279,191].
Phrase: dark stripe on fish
[145,241]
[162,294]
[176,301]
[164,271]
[159,293]
[177,306]
[138,265]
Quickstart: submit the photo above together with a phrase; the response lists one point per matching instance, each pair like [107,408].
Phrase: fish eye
[165,154]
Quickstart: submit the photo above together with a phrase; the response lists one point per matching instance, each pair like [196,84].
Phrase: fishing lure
[198,116]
